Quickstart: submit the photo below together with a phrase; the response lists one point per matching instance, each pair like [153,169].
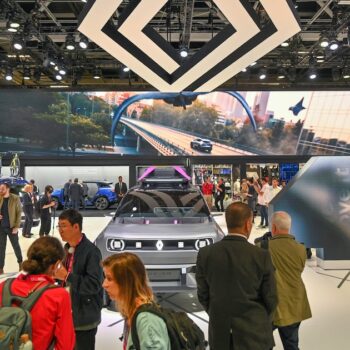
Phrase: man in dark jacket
[75,194]
[66,193]
[81,272]
[120,189]
[237,288]
[10,221]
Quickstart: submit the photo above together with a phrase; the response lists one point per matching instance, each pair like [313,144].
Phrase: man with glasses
[81,273]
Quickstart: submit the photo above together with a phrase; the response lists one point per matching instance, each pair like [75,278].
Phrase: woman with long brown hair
[126,283]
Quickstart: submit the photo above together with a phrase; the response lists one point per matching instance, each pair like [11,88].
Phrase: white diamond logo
[159,245]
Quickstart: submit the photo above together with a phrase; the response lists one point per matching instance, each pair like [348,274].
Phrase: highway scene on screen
[169,141]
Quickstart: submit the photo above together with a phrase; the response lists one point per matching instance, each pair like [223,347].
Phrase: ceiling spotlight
[97,73]
[70,42]
[26,73]
[62,71]
[253,64]
[18,43]
[312,74]
[83,0]
[334,45]
[9,28]
[324,42]
[285,44]
[9,74]
[14,22]
[58,77]
[52,61]
[346,73]
[281,74]
[126,69]
[262,74]
[56,68]
[184,52]
[244,70]
[83,42]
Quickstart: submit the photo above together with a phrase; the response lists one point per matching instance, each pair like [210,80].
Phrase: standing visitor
[10,221]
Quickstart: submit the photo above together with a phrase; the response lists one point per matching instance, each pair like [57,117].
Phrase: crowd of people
[250,191]
[247,290]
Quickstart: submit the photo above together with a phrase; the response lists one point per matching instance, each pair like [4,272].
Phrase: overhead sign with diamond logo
[137,45]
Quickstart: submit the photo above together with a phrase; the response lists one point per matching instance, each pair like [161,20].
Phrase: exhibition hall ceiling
[142,44]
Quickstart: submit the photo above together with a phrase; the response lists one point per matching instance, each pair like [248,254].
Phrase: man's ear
[273,229]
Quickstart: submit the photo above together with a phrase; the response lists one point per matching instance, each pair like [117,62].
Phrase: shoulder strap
[264,244]
[26,303]
[6,292]
[152,308]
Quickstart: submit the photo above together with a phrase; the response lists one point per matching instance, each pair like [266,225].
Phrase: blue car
[100,194]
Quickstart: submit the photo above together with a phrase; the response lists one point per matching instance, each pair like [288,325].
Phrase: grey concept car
[165,221]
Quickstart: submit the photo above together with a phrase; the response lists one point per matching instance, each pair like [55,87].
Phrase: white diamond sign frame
[138,46]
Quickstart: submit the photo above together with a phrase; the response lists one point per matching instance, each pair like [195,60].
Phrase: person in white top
[274,189]
[263,199]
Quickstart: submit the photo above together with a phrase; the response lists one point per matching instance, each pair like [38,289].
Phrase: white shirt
[273,192]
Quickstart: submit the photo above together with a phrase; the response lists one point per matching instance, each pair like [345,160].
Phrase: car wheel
[57,203]
[101,203]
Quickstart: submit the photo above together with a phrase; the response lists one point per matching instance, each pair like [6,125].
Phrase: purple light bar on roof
[146,173]
[182,172]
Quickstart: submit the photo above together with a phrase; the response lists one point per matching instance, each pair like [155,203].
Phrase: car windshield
[162,204]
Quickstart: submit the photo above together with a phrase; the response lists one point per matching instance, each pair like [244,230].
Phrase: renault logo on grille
[159,245]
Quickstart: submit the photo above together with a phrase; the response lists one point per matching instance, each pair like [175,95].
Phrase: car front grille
[154,244]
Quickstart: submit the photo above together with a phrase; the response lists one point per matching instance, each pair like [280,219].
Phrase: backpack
[16,322]
[183,333]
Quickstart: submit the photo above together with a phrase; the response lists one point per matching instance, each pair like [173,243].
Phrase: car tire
[101,203]
[58,205]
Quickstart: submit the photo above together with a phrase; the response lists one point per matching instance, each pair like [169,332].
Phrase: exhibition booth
[162,97]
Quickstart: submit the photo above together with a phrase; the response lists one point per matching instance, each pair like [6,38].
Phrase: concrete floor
[329,327]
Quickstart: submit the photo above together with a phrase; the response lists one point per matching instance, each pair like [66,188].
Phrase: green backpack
[17,321]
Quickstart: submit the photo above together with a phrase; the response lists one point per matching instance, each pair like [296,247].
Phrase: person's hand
[60,272]
[53,203]
[15,230]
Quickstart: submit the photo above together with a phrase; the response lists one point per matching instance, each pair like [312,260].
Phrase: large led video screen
[42,123]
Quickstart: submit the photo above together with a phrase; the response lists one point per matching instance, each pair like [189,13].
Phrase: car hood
[162,231]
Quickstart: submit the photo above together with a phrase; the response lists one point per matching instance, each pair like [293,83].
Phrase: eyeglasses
[61,226]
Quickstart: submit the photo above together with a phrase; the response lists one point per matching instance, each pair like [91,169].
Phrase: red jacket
[51,315]
[207,188]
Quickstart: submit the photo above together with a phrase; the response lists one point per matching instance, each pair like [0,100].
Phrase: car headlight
[115,244]
[200,243]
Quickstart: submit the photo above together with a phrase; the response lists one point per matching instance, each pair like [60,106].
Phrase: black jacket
[120,189]
[27,199]
[237,288]
[85,284]
[75,191]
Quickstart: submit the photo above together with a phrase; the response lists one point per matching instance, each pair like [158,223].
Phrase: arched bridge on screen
[177,99]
